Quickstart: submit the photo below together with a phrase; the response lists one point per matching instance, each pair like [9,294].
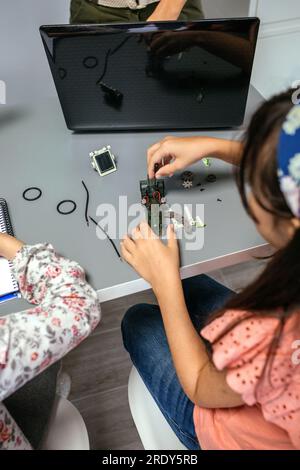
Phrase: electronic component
[211,178]
[67,212]
[103,161]
[153,196]
[113,96]
[34,197]
[187,175]
[186,222]
[197,223]
[187,178]
[187,184]
[191,222]
[206,162]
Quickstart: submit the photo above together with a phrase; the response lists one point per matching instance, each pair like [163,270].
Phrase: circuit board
[153,196]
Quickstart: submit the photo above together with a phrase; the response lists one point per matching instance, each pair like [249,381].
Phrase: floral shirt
[65,313]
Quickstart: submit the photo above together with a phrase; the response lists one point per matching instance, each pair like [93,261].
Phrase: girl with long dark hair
[236,385]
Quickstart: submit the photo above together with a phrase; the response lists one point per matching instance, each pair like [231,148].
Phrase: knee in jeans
[137,323]
[132,324]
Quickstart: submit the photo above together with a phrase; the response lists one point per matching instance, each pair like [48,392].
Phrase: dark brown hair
[276,292]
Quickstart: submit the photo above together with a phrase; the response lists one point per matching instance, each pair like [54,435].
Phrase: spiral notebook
[8,285]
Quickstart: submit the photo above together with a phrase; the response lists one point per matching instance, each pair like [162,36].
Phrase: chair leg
[67,430]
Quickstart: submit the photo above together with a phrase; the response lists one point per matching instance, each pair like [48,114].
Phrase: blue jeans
[145,339]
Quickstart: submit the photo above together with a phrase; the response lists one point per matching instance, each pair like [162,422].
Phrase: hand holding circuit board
[174,154]
[164,158]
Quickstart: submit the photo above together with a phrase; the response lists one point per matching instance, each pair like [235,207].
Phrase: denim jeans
[145,339]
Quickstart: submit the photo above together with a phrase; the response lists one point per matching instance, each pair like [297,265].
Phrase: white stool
[67,430]
[153,429]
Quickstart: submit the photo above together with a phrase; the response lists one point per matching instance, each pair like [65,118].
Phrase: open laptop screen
[166,75]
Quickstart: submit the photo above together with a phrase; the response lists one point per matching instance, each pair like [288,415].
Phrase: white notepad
[8,285]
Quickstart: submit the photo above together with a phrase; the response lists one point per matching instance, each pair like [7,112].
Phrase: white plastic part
[187,184]
[153,429]
[67,430]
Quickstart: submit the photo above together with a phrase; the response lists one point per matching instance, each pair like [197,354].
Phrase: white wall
[277,63]
[22,58]
[225,8]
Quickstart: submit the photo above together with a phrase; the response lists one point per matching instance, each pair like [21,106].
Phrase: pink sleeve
[241,350]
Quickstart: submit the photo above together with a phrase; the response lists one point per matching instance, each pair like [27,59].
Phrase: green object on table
[199,225]
[206,162]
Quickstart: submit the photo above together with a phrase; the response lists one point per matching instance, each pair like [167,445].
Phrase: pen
[7,297]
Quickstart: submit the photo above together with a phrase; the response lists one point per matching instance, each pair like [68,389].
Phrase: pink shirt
[270,418]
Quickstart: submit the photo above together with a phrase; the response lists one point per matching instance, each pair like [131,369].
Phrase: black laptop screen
[152,76]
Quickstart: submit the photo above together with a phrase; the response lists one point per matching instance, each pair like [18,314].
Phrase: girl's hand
[157,263]
[9,246]
[177,153]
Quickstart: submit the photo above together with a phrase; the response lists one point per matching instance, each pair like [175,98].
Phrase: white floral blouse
[66,311]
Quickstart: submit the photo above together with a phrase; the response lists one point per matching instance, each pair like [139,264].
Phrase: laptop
[152,76]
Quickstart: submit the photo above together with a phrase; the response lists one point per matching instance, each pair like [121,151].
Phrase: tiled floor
[100,367]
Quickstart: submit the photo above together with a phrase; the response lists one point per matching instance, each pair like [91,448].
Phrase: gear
[187,184]
[187,175]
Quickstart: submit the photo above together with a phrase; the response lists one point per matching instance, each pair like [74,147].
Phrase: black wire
[108,54]
[105,67]
[105,233]
[86,204]
[120,45]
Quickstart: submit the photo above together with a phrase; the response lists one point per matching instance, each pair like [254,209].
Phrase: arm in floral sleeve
[67,311]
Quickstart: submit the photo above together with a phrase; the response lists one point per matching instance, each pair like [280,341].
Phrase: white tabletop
[36,149]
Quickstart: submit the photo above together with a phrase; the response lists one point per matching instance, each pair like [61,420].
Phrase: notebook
[8,285]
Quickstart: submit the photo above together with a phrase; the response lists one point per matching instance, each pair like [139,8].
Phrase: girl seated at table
[65,313]
[236,385]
